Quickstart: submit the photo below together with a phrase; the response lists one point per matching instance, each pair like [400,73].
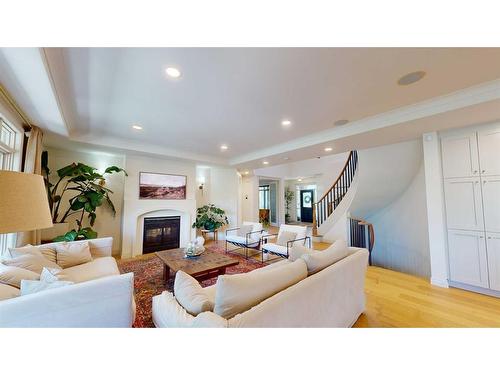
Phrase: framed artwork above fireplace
[161,186]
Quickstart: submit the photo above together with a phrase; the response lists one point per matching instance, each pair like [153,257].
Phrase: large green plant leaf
[116,169]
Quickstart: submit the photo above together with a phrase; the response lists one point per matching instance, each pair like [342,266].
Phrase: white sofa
[332,297]
[100,297]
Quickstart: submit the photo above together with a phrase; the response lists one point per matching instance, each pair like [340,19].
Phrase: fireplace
[161,233]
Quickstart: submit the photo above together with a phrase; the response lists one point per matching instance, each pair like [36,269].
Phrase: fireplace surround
[161,233]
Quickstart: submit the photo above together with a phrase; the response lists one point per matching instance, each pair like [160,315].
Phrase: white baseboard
[443,283]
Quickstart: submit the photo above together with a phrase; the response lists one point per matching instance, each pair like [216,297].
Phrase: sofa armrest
[104,302]
[168,313]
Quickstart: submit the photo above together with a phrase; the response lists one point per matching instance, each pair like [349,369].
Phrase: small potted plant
[210,217]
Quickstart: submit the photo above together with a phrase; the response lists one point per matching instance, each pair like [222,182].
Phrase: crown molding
[478,94]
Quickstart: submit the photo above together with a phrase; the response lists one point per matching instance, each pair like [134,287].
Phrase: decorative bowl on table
[193,250]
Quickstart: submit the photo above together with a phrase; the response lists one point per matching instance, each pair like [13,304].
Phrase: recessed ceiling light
[286,158]
[410,78]
[286,123]
[137,127]
[300,180]
[246,172]
[340,122]
[173,72]
[265,162]
[223,147]
[328,149]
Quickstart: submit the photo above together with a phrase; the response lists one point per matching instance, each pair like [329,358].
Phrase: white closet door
[463,203]
[489,152]
[467,256]
[493,249]
[491,203]
[460,157]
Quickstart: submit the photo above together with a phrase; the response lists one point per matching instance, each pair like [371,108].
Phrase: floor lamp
[23,203]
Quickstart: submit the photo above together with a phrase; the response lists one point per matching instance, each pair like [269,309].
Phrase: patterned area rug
[148,280]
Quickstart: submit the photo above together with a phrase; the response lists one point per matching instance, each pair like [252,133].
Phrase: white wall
[250,198]
[223,188]
[401,234]
[105,225]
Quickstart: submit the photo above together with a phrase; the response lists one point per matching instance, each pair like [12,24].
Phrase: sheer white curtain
[32,164]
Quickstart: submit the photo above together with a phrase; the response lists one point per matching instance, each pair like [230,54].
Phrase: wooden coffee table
[207,265]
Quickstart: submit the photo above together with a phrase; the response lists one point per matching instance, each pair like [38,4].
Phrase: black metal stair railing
[332,198]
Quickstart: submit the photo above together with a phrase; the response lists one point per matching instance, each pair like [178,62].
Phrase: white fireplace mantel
[136,210]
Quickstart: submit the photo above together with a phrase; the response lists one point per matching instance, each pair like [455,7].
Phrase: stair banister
[325,206]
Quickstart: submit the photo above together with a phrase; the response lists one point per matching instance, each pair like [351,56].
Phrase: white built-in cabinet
[471,173]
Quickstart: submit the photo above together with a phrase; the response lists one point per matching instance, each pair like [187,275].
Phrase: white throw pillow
[47,250]
[190,294]
[297,251]
[12,276]
[35,286]
[284,237]
[244,229]
[318,260]
[33,262]
[53,274]
[237,293]
[71,254]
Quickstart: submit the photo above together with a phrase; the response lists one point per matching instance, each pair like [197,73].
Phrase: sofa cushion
[7,291]
[99,267]
[238,293]
[168,313]
[10,275]
[33,262]
[70,254]
[190,294]
[284,237]
[47,250]
[35,286]
[274,248]
[318,260]
[297,251]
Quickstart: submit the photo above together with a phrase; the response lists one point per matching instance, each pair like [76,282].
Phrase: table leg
[166,273]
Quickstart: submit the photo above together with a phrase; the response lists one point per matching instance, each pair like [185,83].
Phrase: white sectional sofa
[100,297]
[332,297]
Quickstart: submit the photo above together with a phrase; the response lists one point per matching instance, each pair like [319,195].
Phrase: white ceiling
[238,96]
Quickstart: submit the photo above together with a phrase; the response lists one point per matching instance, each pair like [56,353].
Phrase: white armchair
[283,250]
[249,239]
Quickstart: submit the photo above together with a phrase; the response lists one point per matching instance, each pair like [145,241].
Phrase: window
[10,145]
[264,197]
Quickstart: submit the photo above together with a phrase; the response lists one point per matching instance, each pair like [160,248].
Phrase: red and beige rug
[148,280]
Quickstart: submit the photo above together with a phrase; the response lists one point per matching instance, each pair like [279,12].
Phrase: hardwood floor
[395,299]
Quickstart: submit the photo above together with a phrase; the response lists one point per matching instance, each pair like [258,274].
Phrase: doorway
[268,201]
[306,205]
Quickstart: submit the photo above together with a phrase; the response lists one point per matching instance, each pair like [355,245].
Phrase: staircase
[325,207]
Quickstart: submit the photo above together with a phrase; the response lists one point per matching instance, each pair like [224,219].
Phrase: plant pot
[209,226]
[58,229]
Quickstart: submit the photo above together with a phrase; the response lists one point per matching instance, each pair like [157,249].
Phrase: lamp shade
[23,202]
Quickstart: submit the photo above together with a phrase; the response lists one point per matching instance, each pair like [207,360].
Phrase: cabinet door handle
[481,236]
[483,171]
[475,171]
